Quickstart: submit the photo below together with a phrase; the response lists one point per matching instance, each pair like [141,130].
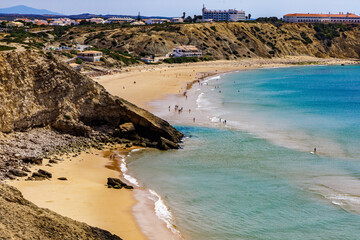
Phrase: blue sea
[257,176]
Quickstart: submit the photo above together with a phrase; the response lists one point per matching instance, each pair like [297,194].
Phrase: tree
[197,17]
[249,16]
[188,19]
[139,17]
[183,16]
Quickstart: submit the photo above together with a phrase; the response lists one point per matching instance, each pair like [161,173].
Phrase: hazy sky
[175,7]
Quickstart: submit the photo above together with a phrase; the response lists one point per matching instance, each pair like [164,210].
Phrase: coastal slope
[21,219]
[42,99]
[229,40]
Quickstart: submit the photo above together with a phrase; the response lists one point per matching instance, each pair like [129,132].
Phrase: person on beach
[193,119]
[189,110]
[314,150]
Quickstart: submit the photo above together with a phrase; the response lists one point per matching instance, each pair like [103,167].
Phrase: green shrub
[6,48]
[79,61]
[307,40]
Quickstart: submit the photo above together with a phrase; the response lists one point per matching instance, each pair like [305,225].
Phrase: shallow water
[256,179]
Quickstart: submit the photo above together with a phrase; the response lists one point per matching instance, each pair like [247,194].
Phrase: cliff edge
[51,106]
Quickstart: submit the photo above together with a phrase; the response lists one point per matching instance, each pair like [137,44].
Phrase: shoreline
[159,81]
[164,81]
[84,196]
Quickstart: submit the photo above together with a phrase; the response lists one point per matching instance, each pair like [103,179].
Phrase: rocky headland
[48,108]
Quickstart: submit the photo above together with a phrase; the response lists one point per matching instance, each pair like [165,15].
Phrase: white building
[231,15]
[177,20]
[156,21]
[137,23]
[14,24]
[120,20]
[90,56]
[186,51]
[328,18]
[97,20]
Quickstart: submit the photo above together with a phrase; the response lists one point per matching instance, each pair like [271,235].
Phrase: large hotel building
[317,18]
[231,15]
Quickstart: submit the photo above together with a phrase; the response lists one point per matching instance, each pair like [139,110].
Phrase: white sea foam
[202,102]
[124,170]
[213,78]
[214,119]
[344,198]
[163,212]
[136,150]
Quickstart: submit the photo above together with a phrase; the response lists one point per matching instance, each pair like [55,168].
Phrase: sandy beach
[146,83]
[84,197]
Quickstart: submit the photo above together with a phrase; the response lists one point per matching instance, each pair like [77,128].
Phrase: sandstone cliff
[47,106]
[37,92]
[232,40]
[20,219]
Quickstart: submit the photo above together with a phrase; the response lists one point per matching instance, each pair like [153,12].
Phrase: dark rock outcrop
[21,219]
[117,184]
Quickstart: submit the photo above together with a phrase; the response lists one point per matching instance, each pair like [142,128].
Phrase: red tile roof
[351,15]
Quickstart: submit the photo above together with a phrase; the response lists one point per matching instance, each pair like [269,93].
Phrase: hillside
[46,106]
[228,40]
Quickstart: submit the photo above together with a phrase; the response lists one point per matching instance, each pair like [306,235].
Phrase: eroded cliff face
[232,40]
[36,91]
[47,108]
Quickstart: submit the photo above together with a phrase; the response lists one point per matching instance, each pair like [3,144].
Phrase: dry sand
[84,197]
[143,84]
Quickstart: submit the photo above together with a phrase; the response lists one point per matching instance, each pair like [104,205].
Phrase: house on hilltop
[14,24]
[231,15]
[186,51]
[156,21]
[317,18]
[90,56]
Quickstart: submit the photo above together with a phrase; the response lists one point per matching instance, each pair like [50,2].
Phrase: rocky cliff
[232,40]
[37,92]
[21,219]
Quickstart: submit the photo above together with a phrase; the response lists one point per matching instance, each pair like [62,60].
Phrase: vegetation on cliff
[229,40]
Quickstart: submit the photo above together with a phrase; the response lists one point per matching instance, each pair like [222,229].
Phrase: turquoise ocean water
[255,178]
